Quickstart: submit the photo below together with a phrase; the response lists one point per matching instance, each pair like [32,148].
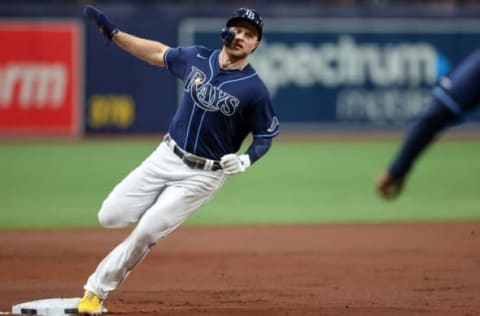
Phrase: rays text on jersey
[209,97]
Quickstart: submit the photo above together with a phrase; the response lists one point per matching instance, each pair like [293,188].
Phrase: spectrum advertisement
[347,72]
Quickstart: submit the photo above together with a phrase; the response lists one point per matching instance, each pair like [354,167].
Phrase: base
[49,307]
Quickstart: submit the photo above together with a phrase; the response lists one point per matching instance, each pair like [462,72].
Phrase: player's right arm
[149,51]
[428,125]
[455,95]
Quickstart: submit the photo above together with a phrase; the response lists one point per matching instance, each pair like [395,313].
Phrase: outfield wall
[326,67]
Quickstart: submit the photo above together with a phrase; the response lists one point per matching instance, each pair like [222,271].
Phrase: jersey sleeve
[265,123]
[176,60]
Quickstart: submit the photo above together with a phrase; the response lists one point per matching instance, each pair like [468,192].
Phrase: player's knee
[106,220]
[109,218]
[145,238]
[151,234]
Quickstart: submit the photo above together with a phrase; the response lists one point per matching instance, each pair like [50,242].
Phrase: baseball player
[453,97]
[223,101]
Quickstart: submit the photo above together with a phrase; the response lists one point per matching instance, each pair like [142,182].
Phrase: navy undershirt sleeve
[258,148]
[435,118]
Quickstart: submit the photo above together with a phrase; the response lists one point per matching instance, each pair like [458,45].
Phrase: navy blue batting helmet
[249,15]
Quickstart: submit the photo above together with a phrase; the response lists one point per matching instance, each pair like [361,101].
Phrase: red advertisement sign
[40,77]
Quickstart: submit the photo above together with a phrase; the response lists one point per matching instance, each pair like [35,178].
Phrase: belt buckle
[194,161]
[188,157]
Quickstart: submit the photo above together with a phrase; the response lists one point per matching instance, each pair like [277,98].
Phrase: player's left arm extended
[233,163]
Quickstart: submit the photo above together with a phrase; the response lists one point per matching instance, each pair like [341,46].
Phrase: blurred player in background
[454,96]
[223,101]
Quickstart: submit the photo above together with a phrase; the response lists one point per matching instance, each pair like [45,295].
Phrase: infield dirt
[369,269]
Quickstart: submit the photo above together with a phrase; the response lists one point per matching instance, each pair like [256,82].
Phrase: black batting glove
[101,21]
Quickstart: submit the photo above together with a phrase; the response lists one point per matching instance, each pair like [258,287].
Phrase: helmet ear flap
[227,36]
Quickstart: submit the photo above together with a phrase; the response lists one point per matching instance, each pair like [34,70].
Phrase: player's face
[246,39]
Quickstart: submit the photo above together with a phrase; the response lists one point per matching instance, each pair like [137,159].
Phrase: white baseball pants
[159,195]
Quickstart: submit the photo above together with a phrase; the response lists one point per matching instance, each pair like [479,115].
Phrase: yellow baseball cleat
[90,304]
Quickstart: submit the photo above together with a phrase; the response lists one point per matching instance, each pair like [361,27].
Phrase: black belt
[191,160]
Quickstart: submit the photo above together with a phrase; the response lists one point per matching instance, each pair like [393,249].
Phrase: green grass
[62,184]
